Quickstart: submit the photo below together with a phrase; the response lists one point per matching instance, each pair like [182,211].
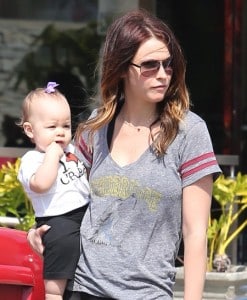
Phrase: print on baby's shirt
[72,169]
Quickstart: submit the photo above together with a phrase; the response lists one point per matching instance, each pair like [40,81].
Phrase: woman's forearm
[34,238]
[195,264]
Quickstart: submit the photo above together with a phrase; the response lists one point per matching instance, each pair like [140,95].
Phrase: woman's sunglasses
[151,67]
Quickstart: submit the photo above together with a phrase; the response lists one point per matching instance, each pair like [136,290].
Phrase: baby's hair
[36,94]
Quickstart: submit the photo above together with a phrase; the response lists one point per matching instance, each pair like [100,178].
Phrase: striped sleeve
[84,152]
[82,149]
[197,164]
[197,155]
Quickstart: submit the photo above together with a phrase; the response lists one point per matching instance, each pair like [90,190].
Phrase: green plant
[231,195]
[13,199]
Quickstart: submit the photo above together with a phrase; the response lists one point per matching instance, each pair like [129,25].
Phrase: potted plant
[231,195]
[223,280]
[14,202]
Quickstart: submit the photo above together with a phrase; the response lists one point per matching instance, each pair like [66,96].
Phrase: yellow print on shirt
[122,187]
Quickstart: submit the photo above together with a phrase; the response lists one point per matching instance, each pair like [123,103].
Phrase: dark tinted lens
[167,63]
[150,67]
[150,64]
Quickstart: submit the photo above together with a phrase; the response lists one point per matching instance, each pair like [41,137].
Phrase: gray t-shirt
[132,229]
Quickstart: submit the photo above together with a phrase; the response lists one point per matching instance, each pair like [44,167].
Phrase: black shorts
[62,244]
[68,295]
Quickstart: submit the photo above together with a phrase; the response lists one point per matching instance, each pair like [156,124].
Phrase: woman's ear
[27,127]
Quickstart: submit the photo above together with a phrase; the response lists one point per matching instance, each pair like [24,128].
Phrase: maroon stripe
[84,150]
[199,168]
[196,160]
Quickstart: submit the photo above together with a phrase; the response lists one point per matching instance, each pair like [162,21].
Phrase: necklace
[152,120]
[131,125]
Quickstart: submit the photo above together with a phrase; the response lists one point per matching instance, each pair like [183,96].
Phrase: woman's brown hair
[124,37]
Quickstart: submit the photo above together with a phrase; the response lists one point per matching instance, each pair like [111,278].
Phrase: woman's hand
[34,238]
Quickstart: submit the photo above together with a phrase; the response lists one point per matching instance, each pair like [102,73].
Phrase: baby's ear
[27,127]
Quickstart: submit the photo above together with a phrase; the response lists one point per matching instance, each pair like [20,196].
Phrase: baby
[56,183]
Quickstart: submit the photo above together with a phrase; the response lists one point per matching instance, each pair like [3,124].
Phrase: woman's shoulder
[190,120]
[94,113]
[192,117]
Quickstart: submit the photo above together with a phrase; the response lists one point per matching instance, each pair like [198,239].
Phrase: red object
[20,268]
[4,160]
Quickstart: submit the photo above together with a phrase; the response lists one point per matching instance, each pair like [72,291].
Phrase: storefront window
[55,10]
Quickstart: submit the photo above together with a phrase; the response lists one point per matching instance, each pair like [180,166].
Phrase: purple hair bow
[50,88]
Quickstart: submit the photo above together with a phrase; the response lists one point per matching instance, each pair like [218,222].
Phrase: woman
[151,171]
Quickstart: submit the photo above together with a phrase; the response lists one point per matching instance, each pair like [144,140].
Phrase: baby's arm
[46,174]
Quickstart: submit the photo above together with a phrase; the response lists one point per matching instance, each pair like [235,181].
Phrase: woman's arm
[196,209]
[34,238]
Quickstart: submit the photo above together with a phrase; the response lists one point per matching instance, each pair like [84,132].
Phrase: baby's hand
[55,149]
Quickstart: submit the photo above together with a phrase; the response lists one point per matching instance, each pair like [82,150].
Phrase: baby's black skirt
[62,244]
